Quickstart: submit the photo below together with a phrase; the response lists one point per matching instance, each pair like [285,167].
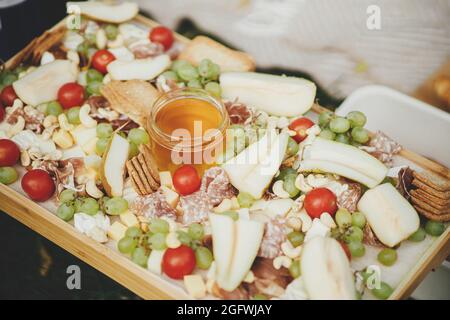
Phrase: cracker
[429,208]
[442,195]
[433,180]
[432,216]
[429,198]
[142,176]
[135,179]
[150,161]
[153,184]
[419,198]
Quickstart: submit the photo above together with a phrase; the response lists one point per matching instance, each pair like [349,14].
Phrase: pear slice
[276,95]
[112,170]
[326,270]
[391,217]
[42,84]
[139,69]
[101,11]
[345,160]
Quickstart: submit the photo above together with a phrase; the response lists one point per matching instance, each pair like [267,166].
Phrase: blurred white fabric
[330,39]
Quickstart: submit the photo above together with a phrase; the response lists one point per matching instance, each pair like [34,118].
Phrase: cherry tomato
[9,153]
[346,250]
[38,185]
[320,200]
[2,113]
[8,96]
[163,36]
[71,95]
[178,262]
[186,180]
[300,126]
[101,59]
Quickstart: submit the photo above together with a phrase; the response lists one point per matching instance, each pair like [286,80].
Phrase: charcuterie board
[417,260]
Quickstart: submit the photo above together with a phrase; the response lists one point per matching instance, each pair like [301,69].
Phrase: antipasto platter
[172,167]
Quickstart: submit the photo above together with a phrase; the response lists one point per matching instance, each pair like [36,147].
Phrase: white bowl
[414,124]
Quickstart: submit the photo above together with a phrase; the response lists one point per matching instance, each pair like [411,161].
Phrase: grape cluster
[348,129]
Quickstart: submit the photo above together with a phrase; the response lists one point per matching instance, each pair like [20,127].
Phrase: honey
[187,126]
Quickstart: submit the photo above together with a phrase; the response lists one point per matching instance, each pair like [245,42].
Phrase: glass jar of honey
[187,126]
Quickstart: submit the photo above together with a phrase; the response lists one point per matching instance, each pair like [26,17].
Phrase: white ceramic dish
[416,125]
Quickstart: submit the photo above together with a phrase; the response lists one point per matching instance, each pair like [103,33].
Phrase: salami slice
[153,205]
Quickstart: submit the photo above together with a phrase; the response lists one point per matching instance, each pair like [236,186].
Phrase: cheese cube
[155,260]
[117,231]
[171,196]
[166,179]
[129,219]
[244,214]
[195,286]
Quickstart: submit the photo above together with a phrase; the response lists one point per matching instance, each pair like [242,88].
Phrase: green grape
[126,245]
[122,134]
[101,145]
[194,83]
[93,75]
[356,118]
[292,147]
[83,48]
[232,214]
[133,232]
[111,31]
[343,218]
[214,89]
[342,138]
[325,118]
[138,136]
[116,206]
[260,296]
[8,175]
[285,172]
[355,235]
[178,64]
[139,257]
[9,78]
[360,135]
[158,225]
[358,220]
[77,204]
[418,236]
[355,144]
[18,70]
[54,108]
[158,241]
[205,68]
[357,249]
[327,134]
[184,237]
[203,257]
[91,38]
[73,115]
[67,196]
[295,269]
[171,75]
[93,88]
[296,238]
[289,185]
[339,125]
[104,130]
[134,150]
[65,211]
[102,202]
[387,256]
[90,206]
[434,228]
[245,200]
[383,292]
[187,72]
[196,231]
[215,72]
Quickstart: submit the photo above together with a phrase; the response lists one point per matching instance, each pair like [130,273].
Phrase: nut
[85,119]
[294,223]
[306,221]
[74,57]
[64,122]
[301,184]
[144,226]
[172,240]
[63,139]
[93,190]
[100,39]
[25,159]
[49,121]
[225,205]
[327,220]
[17,127]
[282,261]
[290,251]
[279,191]
[109,115]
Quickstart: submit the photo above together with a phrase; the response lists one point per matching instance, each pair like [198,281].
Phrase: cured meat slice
[153,206]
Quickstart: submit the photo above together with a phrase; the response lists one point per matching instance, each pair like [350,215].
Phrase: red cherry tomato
[320,200]
[178,262]
[186,180]
[9,153]
[300,126]
[71,95]
[8,96]
[163,36]
[38,185]
[346,250]
[2,113]
[101,59]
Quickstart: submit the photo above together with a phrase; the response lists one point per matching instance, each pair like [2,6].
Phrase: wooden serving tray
[123,270]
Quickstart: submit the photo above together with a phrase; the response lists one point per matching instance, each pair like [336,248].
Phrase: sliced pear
[101,11]
[326,270]
[391,217]
[112,171]
[223,236]
[276,95]
[140,69]
[344,160]
[273,208]
[42,84]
